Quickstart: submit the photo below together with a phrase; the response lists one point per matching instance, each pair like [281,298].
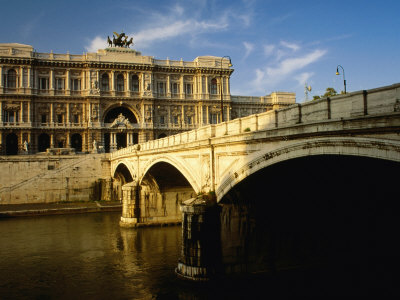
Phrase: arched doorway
[11,144]
[43,142]
[76,142]
[119,118]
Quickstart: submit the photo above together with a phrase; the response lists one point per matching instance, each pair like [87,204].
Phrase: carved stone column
[181,89]
[113,141]
[112,80]
[68,83]
[21,76]
[21,113]
[29,78]
[67,117]
[51,114]
[168,85]
[29,112]
[51,80]
[128,82]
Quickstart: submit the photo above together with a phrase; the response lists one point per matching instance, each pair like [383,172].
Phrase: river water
[89,256]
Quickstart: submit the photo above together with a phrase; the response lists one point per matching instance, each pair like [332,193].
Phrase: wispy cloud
[249,48]
[291,46]
[269,49]
[289,65]
[285,68]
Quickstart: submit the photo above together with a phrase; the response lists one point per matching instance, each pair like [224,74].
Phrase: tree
[329,92]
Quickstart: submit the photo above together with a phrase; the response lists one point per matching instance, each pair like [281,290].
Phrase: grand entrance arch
[115,112]
[120,122]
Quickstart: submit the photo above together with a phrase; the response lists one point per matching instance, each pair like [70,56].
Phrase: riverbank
[38,209]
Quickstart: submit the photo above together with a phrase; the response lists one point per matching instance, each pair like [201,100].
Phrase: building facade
[99,102]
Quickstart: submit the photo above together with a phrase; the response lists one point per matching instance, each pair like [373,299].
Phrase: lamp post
[344,79]
[221,86]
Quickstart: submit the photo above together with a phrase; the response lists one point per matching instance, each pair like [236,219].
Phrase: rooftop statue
[119,40]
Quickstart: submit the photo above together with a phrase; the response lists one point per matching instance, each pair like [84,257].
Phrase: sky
[276,45]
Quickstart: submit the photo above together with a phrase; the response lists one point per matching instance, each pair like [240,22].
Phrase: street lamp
[344,79]
[221,86]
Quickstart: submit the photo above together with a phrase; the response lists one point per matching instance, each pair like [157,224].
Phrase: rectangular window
[59,118]
[44,118]
[135,83]
[10,116]
[60,83]
[76,118]
[188,89]
[76,84]
[162,120]
[135,86]
[161,88]
[175,88]
[189,120]
[43,83]
[176,120]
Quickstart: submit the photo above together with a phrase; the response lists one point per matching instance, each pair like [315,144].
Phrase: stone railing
[379,101]
[174,63]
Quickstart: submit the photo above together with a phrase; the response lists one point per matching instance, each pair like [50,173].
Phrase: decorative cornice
[113,66]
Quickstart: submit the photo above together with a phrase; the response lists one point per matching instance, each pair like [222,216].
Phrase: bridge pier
[130,205]
[201,251]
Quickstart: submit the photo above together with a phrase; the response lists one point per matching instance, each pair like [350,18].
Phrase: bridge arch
[122,175]
[361,147]
[177,165]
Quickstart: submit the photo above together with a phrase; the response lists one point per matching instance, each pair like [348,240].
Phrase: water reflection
[86,256]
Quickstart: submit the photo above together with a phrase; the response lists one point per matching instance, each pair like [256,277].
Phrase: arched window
[213,87]
[135,83]
[12,79]
[104,82]
[120,83]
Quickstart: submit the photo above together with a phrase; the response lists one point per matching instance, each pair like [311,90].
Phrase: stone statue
[121,120]
[94,145]
[120,40]
[26,146]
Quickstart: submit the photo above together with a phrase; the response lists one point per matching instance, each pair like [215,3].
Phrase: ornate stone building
[111,99]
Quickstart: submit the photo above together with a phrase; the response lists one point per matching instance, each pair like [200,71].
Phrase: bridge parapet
[384,100]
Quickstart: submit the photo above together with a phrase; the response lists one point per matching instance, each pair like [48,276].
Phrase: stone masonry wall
[46,179]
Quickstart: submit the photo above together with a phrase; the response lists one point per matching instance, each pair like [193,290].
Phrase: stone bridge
[156,176]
